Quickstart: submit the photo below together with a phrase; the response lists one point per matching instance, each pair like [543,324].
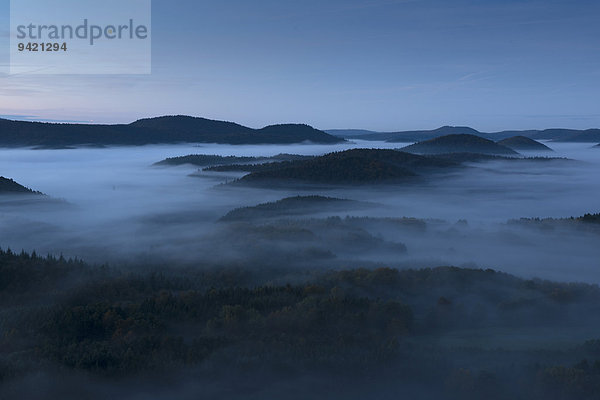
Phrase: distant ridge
[524,143]
[404,136]
[556,134]
[167,129]
[349,133]
[424,135]
[461,143]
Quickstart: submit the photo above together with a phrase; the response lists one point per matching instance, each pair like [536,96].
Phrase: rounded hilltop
[523,143]
[460,143]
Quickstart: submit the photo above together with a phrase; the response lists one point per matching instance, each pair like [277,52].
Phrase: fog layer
[118,207]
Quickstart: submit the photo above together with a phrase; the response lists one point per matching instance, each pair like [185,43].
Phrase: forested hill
[462,143]
[8,186]
[65,321]
[168,129]
[357,166]
[415,136]
[523,143]
[299,205]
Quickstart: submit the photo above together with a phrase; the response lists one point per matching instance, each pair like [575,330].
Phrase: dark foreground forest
[77,330]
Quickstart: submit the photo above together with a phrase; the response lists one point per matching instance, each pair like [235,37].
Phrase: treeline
[216,161]
[23,273]
[586,221]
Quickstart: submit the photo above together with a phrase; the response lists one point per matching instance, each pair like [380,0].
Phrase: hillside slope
[9,186]
[462,143]
[292,206]
[523,143]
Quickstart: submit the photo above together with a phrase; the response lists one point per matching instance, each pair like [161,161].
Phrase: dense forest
[227,325]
